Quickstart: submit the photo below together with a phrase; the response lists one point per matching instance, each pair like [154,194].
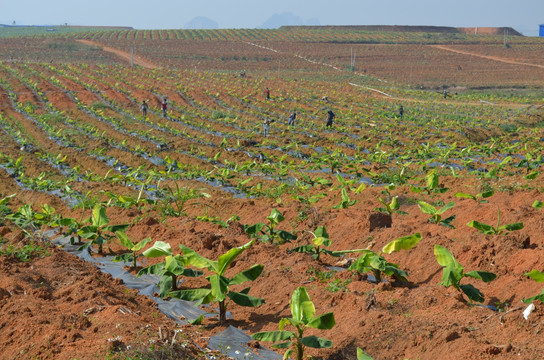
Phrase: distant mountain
[201,22]
[313,22]
[287,18]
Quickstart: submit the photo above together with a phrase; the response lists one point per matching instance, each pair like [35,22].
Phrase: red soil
[121,54]
[51,297]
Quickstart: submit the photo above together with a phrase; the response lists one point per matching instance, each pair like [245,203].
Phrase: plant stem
[222,312]
[300,346]
[378,276]
[174,281]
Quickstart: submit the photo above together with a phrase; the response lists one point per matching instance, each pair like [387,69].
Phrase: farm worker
[330,118]
[401,112]
[144,108]
[266,125]
[292,118]
[445,93]
[325,98]
[163,107]
[267,93]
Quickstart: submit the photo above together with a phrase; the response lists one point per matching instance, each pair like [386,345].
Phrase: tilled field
[462,171]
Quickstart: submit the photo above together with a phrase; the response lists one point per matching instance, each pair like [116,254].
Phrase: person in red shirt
[267,93]
[163,107]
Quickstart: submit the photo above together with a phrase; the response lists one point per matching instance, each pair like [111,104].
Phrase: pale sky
[523,15]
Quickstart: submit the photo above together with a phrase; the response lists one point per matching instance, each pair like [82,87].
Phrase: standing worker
[266,125]
[144,109]
[330,117]
[267,93]
[163,107]
[292,118]
[401,112]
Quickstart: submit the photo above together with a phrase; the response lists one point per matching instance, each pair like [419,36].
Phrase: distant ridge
[414,28]
[68,26]
[103,27]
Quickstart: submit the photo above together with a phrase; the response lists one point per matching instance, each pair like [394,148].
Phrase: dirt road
[494,58]
[122,54]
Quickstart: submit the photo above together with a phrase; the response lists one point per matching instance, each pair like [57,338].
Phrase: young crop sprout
[98,230]
[453,273]
[132,247]
[347,184]
[16,166]
[362,355]
[321,239]
[219,288]
[346,201]
[268,232]
[436,214]
[4,208]
[302,317]
[170,269]
[432,185]
[126,202]
[531,176]
[478,197]
[391,207]
[538,204]
[176,200]
[27,220]
[375,263]
[497,230]
[538,277]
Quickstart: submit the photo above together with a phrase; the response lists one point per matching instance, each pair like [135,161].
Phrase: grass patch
[23,253]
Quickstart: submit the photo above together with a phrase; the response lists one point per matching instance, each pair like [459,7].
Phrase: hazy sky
[523,15]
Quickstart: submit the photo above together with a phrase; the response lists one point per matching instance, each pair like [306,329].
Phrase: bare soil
[124,55]
[65,308]
[59,307]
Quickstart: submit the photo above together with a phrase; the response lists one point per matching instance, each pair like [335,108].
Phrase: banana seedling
[391,207]
[321,239]
[478,197]
[538,204]
[453,273]
[302,318]
[432,185]
[4,208]
[346,201]
[495,230]
[131,246]
[220,285]
[268,232]
[375,263]
[436,214]
[362,355]
[538,277]
[98,231]
[26,220]
[170,269]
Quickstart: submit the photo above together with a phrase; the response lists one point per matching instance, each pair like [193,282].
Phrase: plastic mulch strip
[232,341]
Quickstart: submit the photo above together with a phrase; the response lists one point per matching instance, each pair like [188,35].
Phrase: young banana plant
[219,289]
[303,317]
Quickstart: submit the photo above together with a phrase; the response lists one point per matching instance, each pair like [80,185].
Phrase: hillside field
[454,179]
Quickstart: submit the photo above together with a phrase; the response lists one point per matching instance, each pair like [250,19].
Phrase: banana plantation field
[339,194]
